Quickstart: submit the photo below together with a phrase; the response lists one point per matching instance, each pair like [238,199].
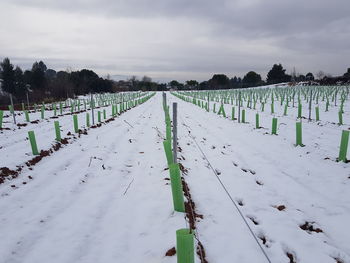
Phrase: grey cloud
[283,31]
[261,16]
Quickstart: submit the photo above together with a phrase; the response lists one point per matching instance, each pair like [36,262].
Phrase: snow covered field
[104,198]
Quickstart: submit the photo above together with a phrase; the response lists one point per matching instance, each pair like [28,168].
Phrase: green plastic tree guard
[104,114]
[75,122]
[257,125]
[11,109]
[299,110]
[57,130]
[274,126]
[184,246]
[272,108]
[26,114]
[116,109]
[54,109]
[168,151]
[317,110]
[343,145]
[99,116]
[87,120]
[233,113]
[262,107]
[214,108]
[176,187]
[285,110]
[243,116]
[32,140]
[299,141]
[222,111]
[340,117]
[42,112]
[168,131]
[61,108]
[1,117]
[327,105]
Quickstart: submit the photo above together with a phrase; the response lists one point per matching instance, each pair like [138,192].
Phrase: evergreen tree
[19,82]
[219,81]
[192,84]
[277,75]
[7,74]
[251,79]
[37,78]
[310,76]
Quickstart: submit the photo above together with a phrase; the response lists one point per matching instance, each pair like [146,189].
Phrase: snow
[103,197]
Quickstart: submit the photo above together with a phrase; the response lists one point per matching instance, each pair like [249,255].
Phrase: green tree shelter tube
[57,130]
[274,126]
[285,110]
[32,140]
[299,135]
[185,246]
[299,110]
[168,152]
[340,117]
[168,130]
[26,114]
[75,122]
[317,110]
[176,187]
[42,112]
[1,117]
[257,125]
[222,111]
[343,145]
[243,116]
[87,120]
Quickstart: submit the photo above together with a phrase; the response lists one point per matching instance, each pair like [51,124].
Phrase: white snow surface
[103,197]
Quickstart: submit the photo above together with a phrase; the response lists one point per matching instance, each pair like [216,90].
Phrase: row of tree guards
[114,112]
[185,236]
[190,97]
[74,105]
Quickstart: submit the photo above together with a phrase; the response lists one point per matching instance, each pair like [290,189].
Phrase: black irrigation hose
[225,189]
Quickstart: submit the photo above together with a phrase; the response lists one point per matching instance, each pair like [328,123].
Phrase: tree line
[42,83]
[277,74]
[45,84]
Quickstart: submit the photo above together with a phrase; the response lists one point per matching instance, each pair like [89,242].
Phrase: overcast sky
[177,39]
